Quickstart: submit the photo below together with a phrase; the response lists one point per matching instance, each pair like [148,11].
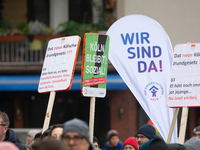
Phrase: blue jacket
[118,147]
[10,136]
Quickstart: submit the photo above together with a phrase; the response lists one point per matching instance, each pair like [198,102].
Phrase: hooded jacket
[10,136]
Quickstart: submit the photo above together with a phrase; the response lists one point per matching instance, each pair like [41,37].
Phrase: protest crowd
[74,135]
[141,59]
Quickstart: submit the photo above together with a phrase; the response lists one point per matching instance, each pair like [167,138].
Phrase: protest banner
[141,52]
[94,70]
[184,82]
[58,69]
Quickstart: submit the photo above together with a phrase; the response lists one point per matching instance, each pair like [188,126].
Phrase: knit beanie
[158,144]
[192,144]
[131,141]
[38,135]
[196,129]
[112,133]
[147,130]
[176,146]
[32,133]
[78,126]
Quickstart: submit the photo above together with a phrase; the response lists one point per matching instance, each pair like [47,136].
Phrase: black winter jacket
[10,136]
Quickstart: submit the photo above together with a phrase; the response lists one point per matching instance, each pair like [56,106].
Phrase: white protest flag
[141,52]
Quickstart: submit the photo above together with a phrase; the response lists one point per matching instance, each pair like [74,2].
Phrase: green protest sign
[94,65]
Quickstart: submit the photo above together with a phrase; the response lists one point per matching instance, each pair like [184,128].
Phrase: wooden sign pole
[91,122]
[182,130]
[49,111]
[172,125]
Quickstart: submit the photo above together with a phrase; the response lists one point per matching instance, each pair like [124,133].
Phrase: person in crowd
[30,136]
[145,133]
[96,143]
[192,144]
[130,144]
[56,131]
[154,144]
[145,145]
[7,134]
[196,132]
[76,135]
[8,146]
[48,144]
[113,142]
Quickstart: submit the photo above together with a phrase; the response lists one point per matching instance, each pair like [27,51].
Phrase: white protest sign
[59,64]
[184,87]
[141,52]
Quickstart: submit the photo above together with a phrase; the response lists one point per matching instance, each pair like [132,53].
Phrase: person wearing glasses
[196,132]
[76,135]
[7,134]
[145,133]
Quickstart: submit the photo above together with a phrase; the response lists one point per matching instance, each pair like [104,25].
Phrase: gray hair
[5,119]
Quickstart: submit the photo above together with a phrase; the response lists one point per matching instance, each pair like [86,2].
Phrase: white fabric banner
[141,52]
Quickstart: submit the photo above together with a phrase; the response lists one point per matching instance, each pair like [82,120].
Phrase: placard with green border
[94,65]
